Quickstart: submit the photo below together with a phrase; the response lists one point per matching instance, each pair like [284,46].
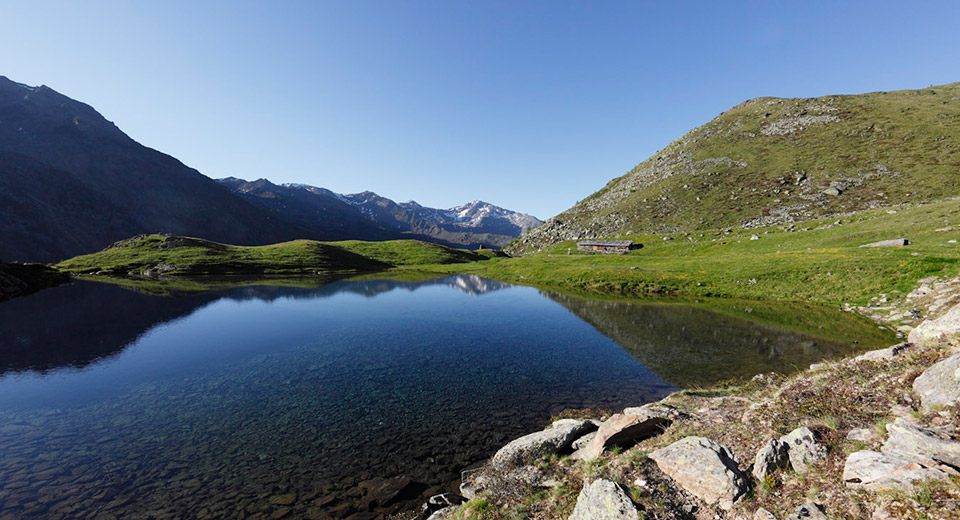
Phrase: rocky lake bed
[330,402]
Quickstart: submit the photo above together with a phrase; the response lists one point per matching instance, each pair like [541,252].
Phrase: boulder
[664,411]
[604,500]
[883,471]
[803,448]
[763,514]
[704,469]
[913,443]
[621,429]
[889,243]
[948,324]
[439,502]
[444,513]
[582,442]
[774,455]
[865,435]
[940,384]
[884,354]
[473,481]
[808,511]
[556,438]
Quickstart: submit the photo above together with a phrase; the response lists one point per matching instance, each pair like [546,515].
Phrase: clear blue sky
[528,105]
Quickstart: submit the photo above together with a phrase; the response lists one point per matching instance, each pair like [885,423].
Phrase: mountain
[368,216]
[774,161]
[71,182]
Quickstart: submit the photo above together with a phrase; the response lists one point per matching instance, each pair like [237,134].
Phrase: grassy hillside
[174,255]
[771,161]
[819,261]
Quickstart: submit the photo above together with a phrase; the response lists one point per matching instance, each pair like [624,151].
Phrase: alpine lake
[331,398]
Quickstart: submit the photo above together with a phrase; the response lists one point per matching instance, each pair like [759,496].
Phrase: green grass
[819,262]
[192,256]
[896,147]
[408,252]
[823,263]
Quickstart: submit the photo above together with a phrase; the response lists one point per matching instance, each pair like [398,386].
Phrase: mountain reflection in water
[693,347]
[84,322]
[275,401]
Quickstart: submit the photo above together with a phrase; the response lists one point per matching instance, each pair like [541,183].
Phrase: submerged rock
[940,384]
[703,468]
[803,448]
[383,492]
[604,500]
[774,455]
[556,438]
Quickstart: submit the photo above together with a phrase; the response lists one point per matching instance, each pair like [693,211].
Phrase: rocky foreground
[875,437]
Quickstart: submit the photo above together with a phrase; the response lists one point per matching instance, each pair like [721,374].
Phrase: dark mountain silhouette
[71,182]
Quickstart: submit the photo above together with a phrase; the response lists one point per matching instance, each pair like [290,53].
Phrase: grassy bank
[172,255]
[819,260]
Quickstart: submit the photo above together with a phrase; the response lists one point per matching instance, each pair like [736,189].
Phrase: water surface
[264,401]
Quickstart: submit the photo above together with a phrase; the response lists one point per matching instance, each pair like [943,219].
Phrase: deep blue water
[119,403]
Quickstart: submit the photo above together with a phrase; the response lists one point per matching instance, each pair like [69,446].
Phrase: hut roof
[607,243]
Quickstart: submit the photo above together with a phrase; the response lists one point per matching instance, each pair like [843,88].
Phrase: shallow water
[265,401]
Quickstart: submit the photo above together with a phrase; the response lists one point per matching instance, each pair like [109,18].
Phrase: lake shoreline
[840,409]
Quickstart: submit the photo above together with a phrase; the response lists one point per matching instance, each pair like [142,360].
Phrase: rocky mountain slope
[368,216]
[72,182]
[772,161]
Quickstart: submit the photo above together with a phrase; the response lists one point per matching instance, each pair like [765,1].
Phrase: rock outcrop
[621,429]
[803,448]
[940,384]
[884,354]
[808,511]
[945,325]
[604,500]
[772,456]
[923,446]
[882,471]
[557,437]
[704,469]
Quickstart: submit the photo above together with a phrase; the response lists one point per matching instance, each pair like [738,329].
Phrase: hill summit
[775,161]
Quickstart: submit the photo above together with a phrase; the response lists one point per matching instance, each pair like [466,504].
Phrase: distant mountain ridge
[71,182]
[367,215]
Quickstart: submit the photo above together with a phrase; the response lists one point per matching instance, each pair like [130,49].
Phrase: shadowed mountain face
[71,182]
[692,347]
[368,216]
